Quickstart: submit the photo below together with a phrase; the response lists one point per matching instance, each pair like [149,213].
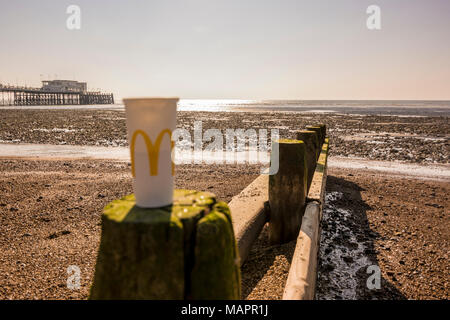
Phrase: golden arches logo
[152,150]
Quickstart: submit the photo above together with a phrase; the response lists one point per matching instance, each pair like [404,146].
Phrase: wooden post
[216,270]
[323,129]
[183,251]
[287,191]
[312,151]
[301,281]
[319,131]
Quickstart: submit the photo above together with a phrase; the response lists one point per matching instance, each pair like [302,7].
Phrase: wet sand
[48,151]
[50,219]
[400,224]
[411,139]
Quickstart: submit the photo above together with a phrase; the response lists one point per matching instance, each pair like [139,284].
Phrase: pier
[47,95]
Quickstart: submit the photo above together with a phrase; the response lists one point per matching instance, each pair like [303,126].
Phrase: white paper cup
[150,123]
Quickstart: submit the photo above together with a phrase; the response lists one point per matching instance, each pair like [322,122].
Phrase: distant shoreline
[352,107]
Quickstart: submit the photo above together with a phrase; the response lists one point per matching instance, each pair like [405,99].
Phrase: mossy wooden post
[312,151]
[319,131]
[287,191]
[183,251]
[215,274]
[323,128]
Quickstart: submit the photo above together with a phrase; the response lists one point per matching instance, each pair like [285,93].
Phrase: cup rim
[150,99]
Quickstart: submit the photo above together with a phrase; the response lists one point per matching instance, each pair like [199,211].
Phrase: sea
[405,108]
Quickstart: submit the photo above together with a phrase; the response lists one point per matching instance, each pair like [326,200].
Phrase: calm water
[399,108]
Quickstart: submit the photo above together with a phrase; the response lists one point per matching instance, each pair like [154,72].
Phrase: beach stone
[167,252]
[287,191]
[312,151]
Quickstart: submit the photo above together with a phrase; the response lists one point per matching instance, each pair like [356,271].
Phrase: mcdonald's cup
[150,123]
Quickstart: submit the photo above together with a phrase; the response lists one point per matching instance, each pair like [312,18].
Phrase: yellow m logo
[152,151]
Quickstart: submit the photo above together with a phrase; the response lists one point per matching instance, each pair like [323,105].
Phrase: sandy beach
[240,152]
[50,208]
[50,219]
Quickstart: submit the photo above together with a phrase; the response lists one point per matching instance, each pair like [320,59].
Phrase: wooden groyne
[297,217]
[138,260]
[26,96]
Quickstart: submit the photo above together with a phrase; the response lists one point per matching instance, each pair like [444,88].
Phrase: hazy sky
[243,49]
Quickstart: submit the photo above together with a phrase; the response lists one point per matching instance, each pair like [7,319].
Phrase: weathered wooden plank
[249,213]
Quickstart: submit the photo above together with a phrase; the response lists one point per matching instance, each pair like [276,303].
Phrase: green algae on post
[153,253]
